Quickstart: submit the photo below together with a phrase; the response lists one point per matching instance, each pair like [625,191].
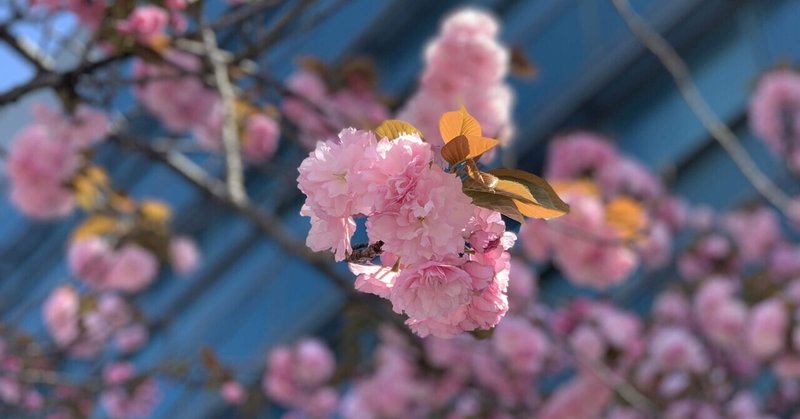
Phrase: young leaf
[155,211]
[96,225]
[627,215]
[521,65]
[90,186]
[466,147]
[495,202]
[457,123]
[545,204]
[394,128]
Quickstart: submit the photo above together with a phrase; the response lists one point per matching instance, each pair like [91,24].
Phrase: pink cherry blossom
[295,373]
[184,255]
[131,338]
[145,23]
[521,285]
[392,391]
[767,328]
[584,397]
[376,279]
[261,135]
[775,112]
[133,269]
[90,13]
[630,178]
[523,346]
[432,289]
[719,313]
[578,154]
[332,233]
[118,372]
[90,259]
[84,128]
[595,260]
[233,392]
[674,348]
[60,314]
[755,232]
[464,65]
[39,167]
[180,103]
[130,402]
[332,175]
[430,222]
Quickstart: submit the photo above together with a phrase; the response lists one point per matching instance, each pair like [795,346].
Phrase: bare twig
[52,80]
[619,385]
[265,221]
[274,32]
[26,51]
[230,135]
[679,71]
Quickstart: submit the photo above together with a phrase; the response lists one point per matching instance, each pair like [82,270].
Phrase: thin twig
[274,32]
[53,80]
[619,385]
[679,71]
[230,135]
[25,50]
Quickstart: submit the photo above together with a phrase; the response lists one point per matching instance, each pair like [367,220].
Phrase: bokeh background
[249,295]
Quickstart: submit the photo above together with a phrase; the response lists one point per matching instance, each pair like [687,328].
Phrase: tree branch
[274,33]
[50,79]
[266,222]
[28,53]
[679,71]
[230,135]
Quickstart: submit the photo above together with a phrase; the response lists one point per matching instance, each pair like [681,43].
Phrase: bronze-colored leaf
[457,123]
[90,186]
[97,225]
[466,147]
[542,193]
[495,202]
[394,128]
[627,216]
[155,211]
[532,210]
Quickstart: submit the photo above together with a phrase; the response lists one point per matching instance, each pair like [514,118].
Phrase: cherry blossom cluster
[319,109]
[89,13]
[465,65]
[13,390]
[297,377]
[621,215]
[147,24]
[103,265]
[127,394]
[45,157]
[173,93]
[774,114]
[83,324]
[144,23]
[445,261]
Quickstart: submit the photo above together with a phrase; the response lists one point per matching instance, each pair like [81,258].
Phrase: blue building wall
[249,295]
